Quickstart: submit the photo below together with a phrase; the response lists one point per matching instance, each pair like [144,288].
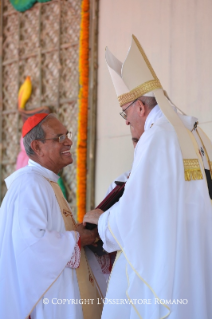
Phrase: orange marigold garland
[83,110]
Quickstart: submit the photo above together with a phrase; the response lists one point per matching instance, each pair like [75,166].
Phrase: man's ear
[36,147]
[141,108]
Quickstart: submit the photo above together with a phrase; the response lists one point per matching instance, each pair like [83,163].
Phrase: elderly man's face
[55,155]
[136,117]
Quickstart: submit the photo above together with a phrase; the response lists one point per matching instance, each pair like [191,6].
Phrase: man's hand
[87,236]
[92,216]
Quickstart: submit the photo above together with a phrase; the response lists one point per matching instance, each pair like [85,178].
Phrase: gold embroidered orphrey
[85,277]
[192,169]
[139,91]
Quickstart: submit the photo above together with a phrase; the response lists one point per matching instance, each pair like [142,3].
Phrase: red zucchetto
[31,122]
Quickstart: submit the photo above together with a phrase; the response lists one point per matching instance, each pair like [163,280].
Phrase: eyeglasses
[60,138]
[123,114]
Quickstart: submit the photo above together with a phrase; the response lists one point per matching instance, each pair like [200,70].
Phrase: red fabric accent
[112,197]
[104,262]
[32,121]
[79,243]
[112,259]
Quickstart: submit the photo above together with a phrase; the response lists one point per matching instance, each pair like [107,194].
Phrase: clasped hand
[88,237]
[92,216]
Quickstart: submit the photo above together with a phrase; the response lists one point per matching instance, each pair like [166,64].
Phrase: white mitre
[133,78]
[136,77]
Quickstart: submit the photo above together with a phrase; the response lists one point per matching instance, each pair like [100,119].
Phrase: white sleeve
[34,235]
[109,243]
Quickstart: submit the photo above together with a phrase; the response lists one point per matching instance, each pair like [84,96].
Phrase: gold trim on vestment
[161,302]
[164,305]
[139,91]
[27,317]
[192,169]
[131,302]
[144,56]
[85,278]
[210,168]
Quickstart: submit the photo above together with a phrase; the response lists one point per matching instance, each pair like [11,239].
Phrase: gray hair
[37,133]
[149,101]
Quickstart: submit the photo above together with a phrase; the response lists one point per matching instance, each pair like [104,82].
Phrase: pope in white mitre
[44,271]
[162,225]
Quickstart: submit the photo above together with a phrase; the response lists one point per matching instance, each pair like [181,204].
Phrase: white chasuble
[163,227]
[34,250]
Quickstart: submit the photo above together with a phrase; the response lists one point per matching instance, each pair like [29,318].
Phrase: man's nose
[127,122]
[68,141]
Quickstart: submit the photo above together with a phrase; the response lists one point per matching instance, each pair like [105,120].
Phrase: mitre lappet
[136,77]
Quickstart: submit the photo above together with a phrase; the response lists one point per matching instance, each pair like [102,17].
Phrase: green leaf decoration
[23,5]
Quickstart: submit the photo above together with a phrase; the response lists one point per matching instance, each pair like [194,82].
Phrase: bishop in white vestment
[162,224]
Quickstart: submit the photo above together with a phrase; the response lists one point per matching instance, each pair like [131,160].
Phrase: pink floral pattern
[74,262]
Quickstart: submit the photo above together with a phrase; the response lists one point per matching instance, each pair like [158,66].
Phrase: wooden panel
[41,43]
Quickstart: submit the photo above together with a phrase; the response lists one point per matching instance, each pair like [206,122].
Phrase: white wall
[177,38]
